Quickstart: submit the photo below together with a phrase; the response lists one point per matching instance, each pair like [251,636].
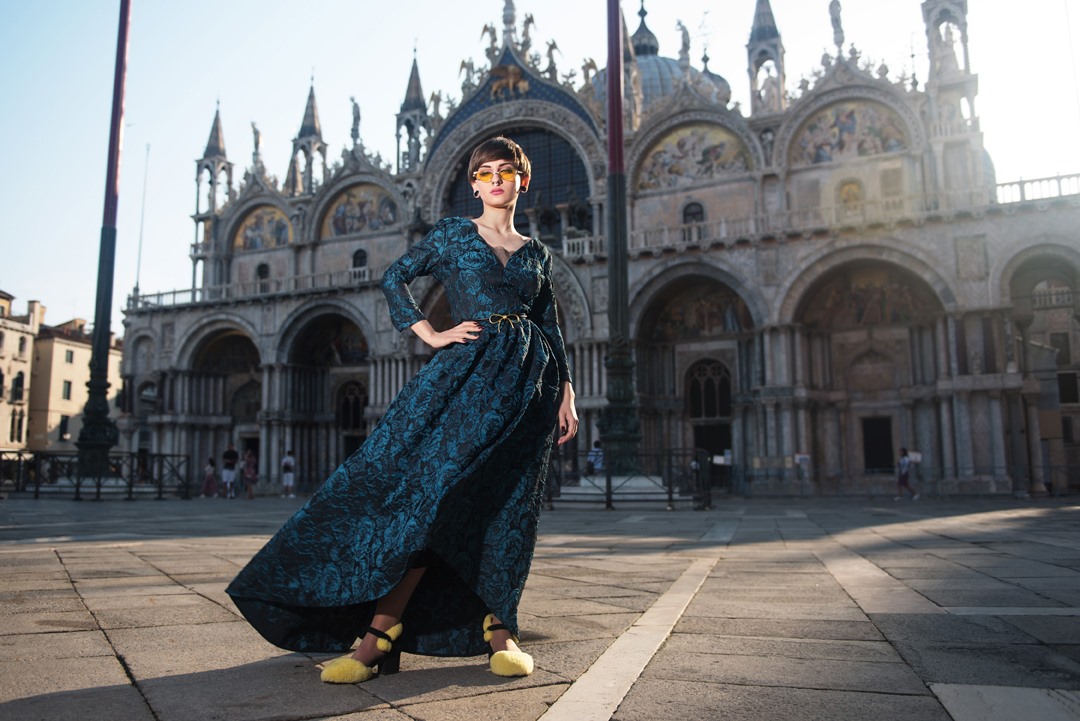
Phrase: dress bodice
[477,283]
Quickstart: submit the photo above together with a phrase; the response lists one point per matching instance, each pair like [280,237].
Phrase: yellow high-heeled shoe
[506,663]
[346,669]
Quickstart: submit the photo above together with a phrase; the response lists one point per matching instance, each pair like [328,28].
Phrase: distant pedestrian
[594,462]
[229,459]
[209,484]
[251,473]
[288,475]
[903,471]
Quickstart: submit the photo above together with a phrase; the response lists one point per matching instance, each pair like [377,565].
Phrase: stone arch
[648,141]
[663,274]
[793,292]
[689,315]
[1052,248]
[866,292]
[793,126]
[214,324]
[331,201]
[575,311]
[140,353]
[260,224]
[443,163]
[299,319]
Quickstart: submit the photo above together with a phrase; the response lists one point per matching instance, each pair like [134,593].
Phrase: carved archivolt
[914,140]
[648,138]
[439,170]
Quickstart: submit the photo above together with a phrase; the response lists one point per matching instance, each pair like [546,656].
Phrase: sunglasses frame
[501,173]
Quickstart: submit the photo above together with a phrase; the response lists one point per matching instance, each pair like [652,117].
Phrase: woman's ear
[524,184]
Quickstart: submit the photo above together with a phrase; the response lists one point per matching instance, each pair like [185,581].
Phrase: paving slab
[654,699]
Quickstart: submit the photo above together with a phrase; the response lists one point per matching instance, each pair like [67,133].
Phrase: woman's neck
[500,220]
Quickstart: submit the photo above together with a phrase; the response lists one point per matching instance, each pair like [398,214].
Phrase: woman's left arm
[549,325]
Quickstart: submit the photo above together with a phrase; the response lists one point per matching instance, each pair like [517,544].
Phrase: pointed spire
[644,42]
[414,94]
[293,181]
[628,54]
[215,146]
[310,127]
[764,23]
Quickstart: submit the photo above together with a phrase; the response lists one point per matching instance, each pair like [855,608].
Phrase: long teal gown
[450,479]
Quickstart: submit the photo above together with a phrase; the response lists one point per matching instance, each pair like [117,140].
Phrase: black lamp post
[619,430]
[98,433]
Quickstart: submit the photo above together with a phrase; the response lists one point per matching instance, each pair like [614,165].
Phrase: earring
[524,189]
[476,194]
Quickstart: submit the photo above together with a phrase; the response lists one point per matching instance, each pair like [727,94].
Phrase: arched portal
[1045,290]
[693,339]
[871,339]
[325,395]
[220,396]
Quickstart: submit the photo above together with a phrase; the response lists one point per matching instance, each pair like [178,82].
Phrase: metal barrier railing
[670,477]
[929,481]
[126,475]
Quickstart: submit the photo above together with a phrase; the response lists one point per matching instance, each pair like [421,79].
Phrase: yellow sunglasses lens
[486,176]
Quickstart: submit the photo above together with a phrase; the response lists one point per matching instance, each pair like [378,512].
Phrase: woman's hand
[461,333]
[568,420]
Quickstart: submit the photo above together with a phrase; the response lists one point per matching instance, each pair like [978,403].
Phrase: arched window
[693,213]
[262,272]
[708,390]
[2,389]
[359,265]
[693,218]
[17,387]
[22,345]
[1,342]
[354,398]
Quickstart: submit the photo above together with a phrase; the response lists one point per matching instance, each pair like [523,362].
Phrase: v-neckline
[492,248]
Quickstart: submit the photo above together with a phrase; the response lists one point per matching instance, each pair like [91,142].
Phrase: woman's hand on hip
[461,333]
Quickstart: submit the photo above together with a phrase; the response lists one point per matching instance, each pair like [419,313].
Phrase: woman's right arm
[419,260]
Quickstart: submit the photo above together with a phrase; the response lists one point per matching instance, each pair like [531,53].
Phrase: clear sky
[258,58]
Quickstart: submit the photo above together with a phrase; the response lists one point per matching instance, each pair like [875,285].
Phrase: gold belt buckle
[496,319]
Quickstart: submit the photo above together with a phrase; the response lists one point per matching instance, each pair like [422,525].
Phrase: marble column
[965,459]
[997,437]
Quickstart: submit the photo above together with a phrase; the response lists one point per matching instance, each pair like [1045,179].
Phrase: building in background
[58,392]
[16,352]
[824,277]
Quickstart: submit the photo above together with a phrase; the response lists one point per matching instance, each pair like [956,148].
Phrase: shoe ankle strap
[379,634]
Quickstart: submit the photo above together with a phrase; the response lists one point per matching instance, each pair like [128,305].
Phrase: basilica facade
[816,281]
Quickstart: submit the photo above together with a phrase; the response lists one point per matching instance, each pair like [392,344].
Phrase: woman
[421,540]
[209,486]
[250,473]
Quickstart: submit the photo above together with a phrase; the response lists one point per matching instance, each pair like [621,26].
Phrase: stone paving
[758,609]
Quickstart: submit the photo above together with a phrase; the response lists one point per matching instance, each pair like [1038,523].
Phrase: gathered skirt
[451,478]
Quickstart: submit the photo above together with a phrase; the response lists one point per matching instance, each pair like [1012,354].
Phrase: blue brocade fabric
[451,478]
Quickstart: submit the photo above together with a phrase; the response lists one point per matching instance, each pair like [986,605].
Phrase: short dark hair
[499,148]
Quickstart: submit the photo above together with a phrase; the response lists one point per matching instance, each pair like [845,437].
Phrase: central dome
[660,76]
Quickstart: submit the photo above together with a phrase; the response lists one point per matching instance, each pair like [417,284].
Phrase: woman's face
[500,192]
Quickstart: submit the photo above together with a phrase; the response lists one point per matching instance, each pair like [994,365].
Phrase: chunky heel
[390,663]
[347,669]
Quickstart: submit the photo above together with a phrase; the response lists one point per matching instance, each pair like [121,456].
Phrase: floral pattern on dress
[452,474]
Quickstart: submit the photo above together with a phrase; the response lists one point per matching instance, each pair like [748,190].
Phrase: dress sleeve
[418,260]
[547,312]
